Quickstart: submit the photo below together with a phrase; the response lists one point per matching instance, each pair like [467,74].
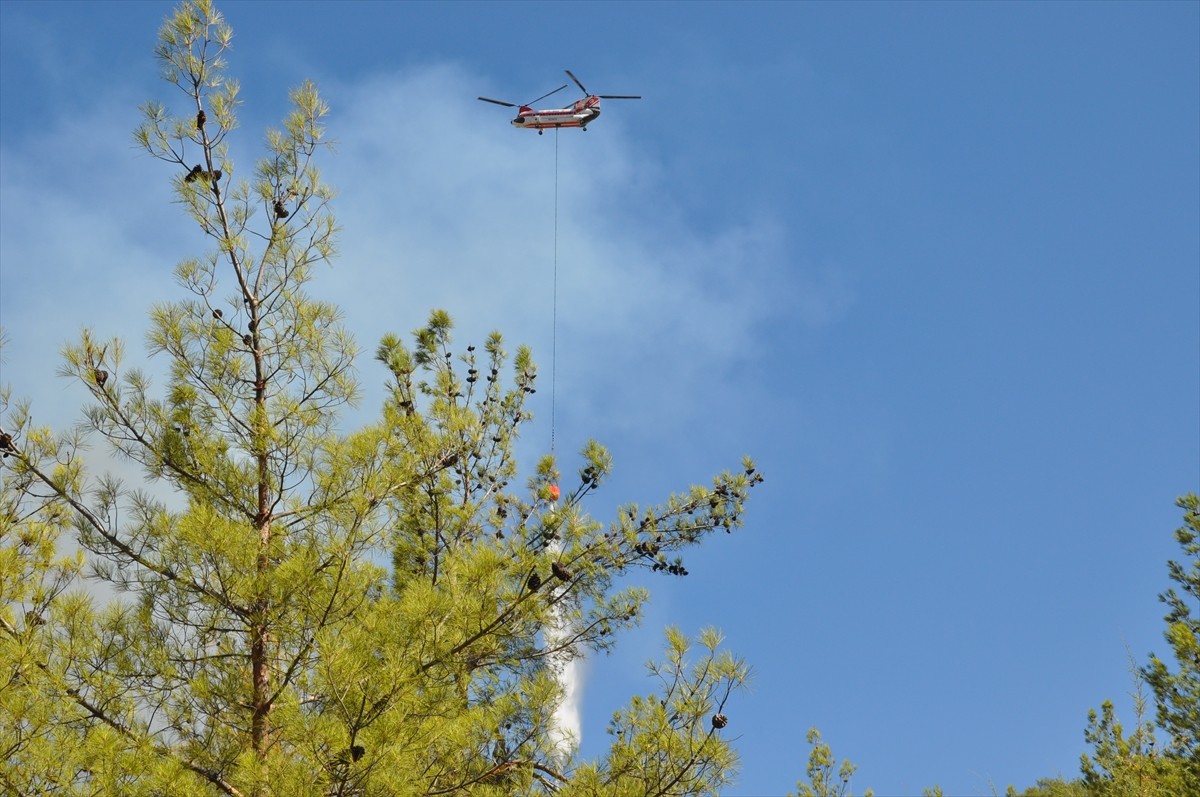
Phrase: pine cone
[719,721]
[281,212]
[101,376]
[357,751]
[560,571]
[247,340]
[534,582]
[196,171]
[217,313]
[201,118]
[6,442]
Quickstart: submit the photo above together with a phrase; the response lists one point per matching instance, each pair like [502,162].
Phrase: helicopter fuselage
[580,114]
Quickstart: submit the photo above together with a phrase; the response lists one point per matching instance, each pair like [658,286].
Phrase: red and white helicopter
[581,113]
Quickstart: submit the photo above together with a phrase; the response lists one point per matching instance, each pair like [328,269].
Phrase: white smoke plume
[567,731]
[567,716]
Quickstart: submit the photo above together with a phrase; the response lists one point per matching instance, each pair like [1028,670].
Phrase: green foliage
[1136,765]
[291,609]
[662,740]
[1127,766]
[823,780]
[1051,787]
[1177,692]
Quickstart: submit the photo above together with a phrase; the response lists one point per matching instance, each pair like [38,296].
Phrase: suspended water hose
[554,305]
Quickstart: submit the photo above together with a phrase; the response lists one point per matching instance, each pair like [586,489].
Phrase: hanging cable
[554,304]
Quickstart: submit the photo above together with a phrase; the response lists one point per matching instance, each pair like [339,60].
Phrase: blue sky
[935,266]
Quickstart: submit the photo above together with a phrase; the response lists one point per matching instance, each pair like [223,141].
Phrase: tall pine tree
[1177,693]
[302,611]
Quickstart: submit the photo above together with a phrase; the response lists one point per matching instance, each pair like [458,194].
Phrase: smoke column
[566,733]
[567,726]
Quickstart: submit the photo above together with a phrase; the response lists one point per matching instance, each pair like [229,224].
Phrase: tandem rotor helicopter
[580,114]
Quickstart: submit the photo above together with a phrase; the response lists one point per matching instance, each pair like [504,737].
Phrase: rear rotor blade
[499,102]
[547,94]
[619,96]
[577,83]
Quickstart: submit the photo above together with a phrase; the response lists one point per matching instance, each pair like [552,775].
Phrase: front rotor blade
[619,96]
[547,94]
[499,102]
[577,83]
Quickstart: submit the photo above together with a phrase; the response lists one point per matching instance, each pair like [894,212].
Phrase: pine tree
[1130,765]
[1136,764]
[1177,694]
[823,779]
[300,610]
